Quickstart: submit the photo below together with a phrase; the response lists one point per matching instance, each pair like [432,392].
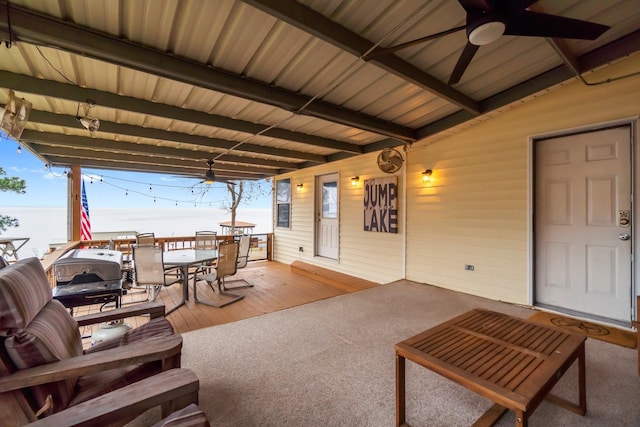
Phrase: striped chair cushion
[51,336]
[24,291]
[191,416]
[93,385]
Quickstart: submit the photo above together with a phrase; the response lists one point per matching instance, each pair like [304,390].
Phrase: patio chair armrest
[154,309]
[174,389]
[148,350]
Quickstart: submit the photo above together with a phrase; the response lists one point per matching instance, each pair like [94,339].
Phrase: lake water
[45,225]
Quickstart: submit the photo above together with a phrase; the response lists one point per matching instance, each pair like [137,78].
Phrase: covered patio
[335,99]
[331,363]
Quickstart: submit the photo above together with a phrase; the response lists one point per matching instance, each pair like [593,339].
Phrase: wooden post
[75,180]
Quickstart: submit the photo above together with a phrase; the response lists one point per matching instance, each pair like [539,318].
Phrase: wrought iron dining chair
[226,265]
[243,259]
[150,270]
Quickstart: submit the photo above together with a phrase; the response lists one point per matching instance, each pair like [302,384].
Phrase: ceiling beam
[71,142]
[79,153]
[32,27]
[613,51]
[560,45]
[312,22]
[53,119]
[132,165]
[27,84]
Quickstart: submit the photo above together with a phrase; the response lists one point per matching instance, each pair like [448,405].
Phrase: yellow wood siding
[476,209]
[373,256]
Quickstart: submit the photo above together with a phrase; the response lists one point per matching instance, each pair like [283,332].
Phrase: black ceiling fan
[488,20]
[210,176]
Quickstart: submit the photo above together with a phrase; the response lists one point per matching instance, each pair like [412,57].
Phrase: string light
[19,149]
[198,191]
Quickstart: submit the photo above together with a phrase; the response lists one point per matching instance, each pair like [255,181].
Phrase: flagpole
[73,213]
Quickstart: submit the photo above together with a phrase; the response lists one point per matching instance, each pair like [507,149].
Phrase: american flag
[85,222]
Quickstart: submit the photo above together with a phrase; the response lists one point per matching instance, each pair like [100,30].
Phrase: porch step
[337,280]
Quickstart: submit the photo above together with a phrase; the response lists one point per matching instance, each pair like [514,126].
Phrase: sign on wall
[381,204]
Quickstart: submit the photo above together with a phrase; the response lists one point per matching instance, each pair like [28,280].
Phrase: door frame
[633,122]
[317,210]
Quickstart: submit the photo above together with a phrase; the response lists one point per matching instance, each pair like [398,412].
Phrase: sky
[107,188]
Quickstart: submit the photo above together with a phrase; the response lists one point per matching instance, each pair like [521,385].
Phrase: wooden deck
[276,287]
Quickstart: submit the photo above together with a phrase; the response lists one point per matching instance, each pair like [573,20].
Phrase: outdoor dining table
[186,259]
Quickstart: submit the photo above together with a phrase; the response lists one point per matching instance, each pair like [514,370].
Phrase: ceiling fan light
[209,177]
[486,33]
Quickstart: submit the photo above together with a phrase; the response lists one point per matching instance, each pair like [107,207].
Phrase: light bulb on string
[150,189]
[126,193]
[19,149]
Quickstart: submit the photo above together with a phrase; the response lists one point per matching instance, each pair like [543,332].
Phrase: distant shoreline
[48,225]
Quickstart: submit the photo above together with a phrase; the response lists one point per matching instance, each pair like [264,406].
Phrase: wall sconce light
[354,180]
[92,124]
[299,187]
[426,175]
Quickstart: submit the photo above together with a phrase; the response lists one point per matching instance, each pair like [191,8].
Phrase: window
[330,200]
[283,202]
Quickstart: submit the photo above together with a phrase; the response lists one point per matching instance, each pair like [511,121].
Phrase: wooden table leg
[400,390]
[582,382]
[581,407]
[521,419]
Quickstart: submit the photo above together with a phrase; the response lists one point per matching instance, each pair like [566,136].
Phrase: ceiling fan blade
[463,62]
[475,5]
[538,24]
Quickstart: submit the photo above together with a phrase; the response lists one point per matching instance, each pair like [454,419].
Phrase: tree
[243,191]
[16,185]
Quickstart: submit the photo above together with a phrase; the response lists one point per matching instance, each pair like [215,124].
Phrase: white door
[583,223]
[327,229]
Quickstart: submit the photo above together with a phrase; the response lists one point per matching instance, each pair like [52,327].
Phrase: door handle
[624,236]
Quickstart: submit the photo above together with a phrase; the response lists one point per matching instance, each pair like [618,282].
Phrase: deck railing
[260,248]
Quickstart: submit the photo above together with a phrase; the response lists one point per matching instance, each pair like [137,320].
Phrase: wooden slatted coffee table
[511,361]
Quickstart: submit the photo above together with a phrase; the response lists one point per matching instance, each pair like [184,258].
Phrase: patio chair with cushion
[43,367]
[243,260]
[226,265]
[206,240]
[149,269]
[145,239]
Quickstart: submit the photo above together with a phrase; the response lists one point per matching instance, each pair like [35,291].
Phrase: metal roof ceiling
[269,86]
